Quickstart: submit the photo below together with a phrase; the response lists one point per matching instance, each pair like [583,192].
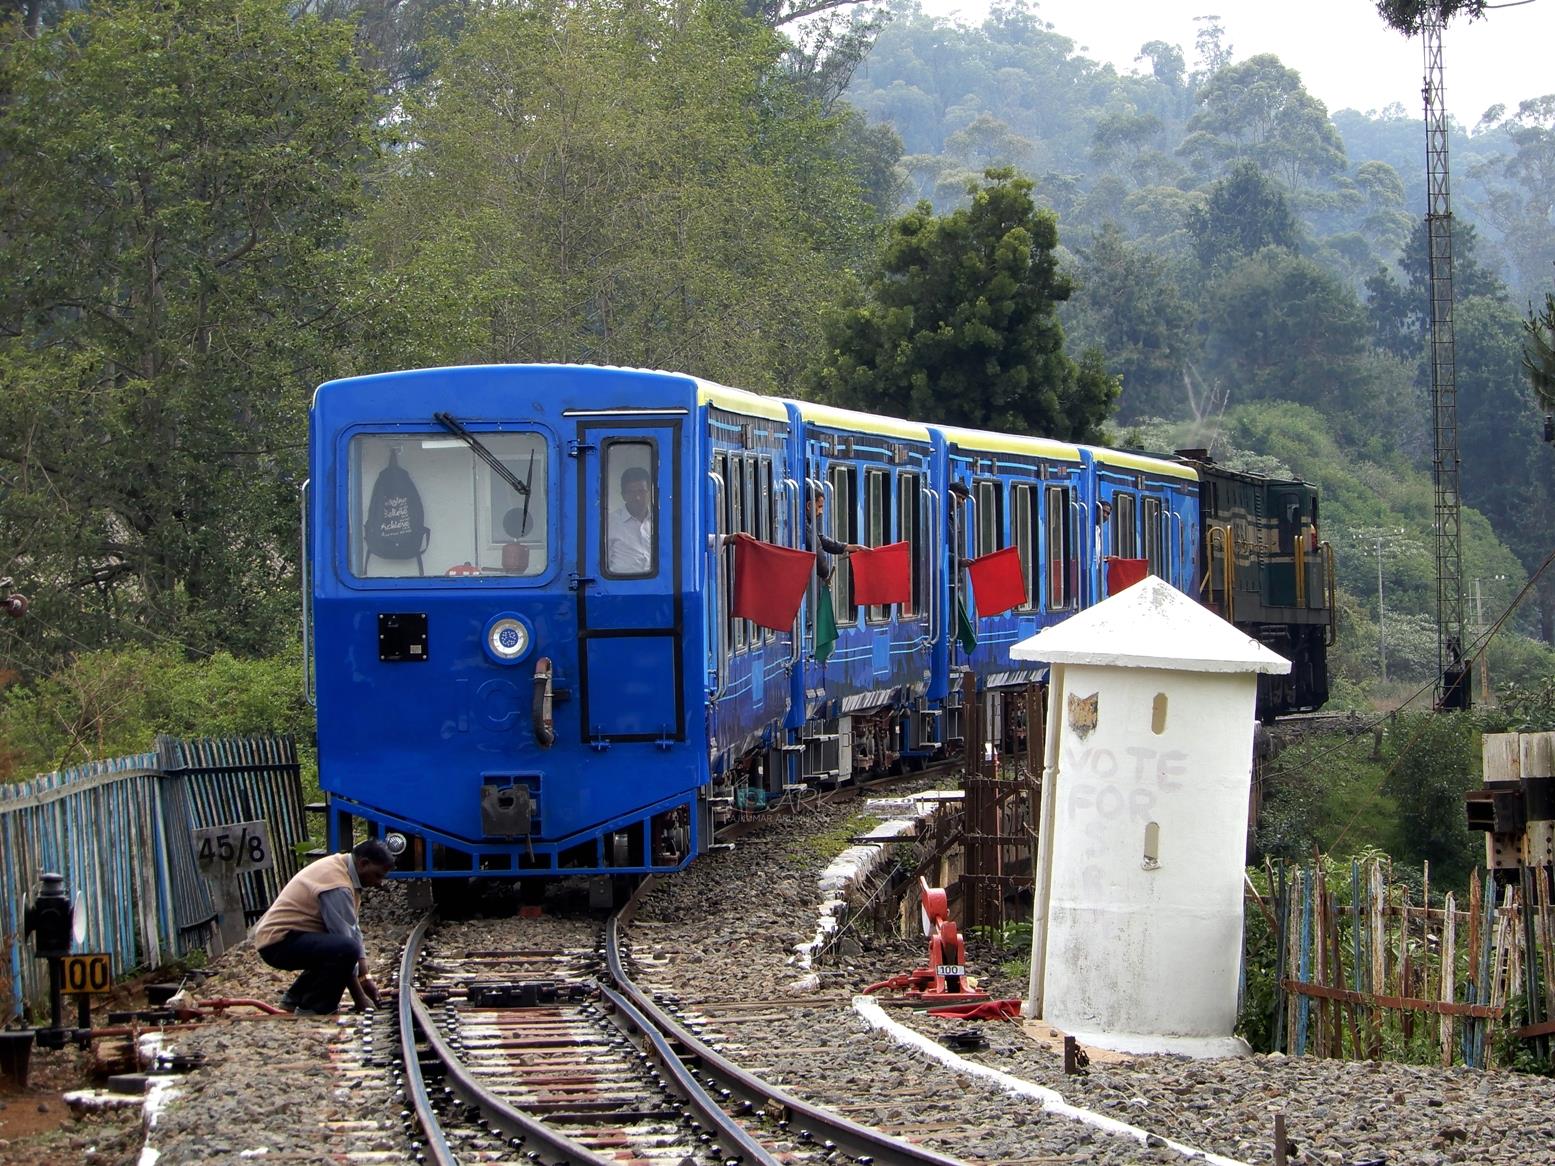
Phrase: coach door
[627,576]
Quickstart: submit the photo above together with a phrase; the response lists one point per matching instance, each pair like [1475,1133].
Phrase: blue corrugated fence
[120,831]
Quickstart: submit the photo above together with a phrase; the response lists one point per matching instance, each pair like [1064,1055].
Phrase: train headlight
[507,638]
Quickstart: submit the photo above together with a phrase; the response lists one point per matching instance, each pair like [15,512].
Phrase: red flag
[1123,573]
[998,583]
[769,582]
[881,575]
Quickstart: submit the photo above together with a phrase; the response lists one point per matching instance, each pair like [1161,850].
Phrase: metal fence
[120,831]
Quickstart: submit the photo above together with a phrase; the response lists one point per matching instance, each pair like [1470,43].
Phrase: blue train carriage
[752,484]
[508,571]
[1002,491]
[868,481]
[1147,511]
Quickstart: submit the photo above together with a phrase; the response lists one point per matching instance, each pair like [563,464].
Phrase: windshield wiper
[491,459]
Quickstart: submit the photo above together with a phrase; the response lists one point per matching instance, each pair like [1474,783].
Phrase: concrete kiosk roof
[1151,625]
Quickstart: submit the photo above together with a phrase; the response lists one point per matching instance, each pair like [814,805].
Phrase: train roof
[740,401]
[988,442]
[1126,460]
[834,418]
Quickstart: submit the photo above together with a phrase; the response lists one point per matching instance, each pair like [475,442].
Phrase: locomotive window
[631,506]
[842,524]
[1058,547]
[909,505]
[1024,517]
[1155,537]
[1289,519]
[877,513]
[423,504]
[1125,526]
[990,517]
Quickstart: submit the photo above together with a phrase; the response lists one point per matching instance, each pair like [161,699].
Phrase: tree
[1519,195]
[1407,16]
[1539,352]
[1245,212]
[1433,761]
[1130,305]
[640,186]
[178,183]
[961,324]
[1281,327]
[1259,111]
[1508,472]
[1400,309]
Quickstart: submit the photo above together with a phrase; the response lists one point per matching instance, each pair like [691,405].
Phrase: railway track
[553,1055]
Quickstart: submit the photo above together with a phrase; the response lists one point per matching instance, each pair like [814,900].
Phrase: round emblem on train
[507,638]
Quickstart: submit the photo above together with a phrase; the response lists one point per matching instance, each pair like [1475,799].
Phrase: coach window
[727,474]
[765,529]
[841,522]
[422,504]
[990,517]
[877,516]
[1154,535]
[737,521]
[1058,548]
[909,508]
[1125,525]
[1023,518]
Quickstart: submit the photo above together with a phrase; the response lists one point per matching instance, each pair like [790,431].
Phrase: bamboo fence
[1367,971]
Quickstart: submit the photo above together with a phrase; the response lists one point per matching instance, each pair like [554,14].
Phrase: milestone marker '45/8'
[235,848]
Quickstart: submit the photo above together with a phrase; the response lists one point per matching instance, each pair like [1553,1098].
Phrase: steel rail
[539,1137]
[410,1056]
[861,1142]
[732,1136]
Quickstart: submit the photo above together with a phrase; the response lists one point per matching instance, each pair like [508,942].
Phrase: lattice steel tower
[1452,681]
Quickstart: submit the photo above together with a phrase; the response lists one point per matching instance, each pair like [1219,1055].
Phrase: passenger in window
[820,542]
[629,533]
[1103,529]
[959,493]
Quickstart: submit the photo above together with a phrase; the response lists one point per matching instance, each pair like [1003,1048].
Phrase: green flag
[825,625]
[966,630]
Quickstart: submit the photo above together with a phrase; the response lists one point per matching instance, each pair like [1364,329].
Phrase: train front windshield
[425,504]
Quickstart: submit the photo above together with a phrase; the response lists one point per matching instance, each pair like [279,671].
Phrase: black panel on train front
[402,637]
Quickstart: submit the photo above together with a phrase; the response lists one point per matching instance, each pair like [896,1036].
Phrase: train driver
[629,533]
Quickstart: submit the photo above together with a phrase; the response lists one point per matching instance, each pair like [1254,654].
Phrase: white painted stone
[1137,933]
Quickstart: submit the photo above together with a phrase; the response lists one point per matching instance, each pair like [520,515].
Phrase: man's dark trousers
[327,963]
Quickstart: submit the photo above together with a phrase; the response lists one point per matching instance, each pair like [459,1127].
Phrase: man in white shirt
[629,535]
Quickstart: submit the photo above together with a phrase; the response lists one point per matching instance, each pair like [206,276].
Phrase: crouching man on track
[312,928]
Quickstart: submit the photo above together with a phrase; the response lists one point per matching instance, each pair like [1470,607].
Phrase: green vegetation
[832,841]
[105,704]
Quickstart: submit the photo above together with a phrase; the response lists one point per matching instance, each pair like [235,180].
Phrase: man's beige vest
[296,908]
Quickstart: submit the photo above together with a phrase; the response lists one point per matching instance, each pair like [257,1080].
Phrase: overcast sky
[1345,54]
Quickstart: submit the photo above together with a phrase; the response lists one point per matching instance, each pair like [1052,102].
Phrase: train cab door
[627,576]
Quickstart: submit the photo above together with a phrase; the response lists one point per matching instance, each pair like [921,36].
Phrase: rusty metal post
[978,813]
